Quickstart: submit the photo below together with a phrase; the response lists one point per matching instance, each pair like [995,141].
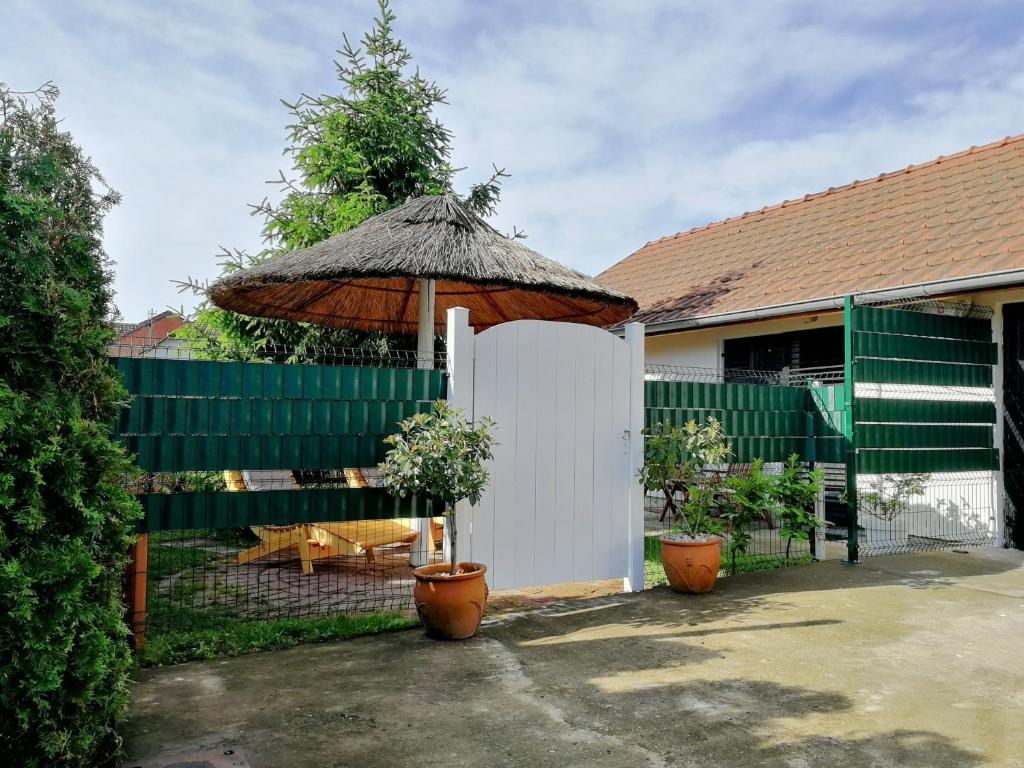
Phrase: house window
[796,349]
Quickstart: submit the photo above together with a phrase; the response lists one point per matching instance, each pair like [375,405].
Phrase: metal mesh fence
[259,483]
[924,417]
[367,356]
[767,415]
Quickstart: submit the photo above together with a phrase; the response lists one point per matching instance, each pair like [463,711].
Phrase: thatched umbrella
[374,276]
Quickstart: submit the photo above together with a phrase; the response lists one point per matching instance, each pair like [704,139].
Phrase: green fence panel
[189,453]
[884,345]
[924,436]
[901,321]
[759,421]
[873,371]
[830,450]
[874,462]
[734,423]
[720,396]
[925,411]
[201,378]
[205,510]
[150,415]
[188,415]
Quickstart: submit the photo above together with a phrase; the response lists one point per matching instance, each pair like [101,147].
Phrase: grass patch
[165,560]
[239,638]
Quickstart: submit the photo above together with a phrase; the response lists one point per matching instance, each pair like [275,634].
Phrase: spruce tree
[354,154]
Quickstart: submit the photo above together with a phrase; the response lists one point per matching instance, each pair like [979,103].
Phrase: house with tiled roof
[844,287]
[153,337]
[765,289]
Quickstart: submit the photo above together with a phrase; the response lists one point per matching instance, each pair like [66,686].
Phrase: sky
[621,121]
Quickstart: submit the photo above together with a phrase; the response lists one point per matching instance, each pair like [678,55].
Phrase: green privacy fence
[915,350]
[189,416]
[923,378]
[761,421]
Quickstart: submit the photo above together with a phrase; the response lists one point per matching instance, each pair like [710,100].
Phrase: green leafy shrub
[440,455]
[889,496]
[796,490]
[677,461]
[752,500]
[65,518]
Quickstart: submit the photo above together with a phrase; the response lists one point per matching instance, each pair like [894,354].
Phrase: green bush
[65,519]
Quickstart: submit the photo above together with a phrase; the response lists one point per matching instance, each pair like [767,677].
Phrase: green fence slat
[293,381]
[196,413]
[369,384]
[350,385]
[312,381]
[212,510]
[900,321]
[261,415]
[874,462]
[868,370]
[924,436]
[925,411]
[252,380]
[831,450]
[885,345]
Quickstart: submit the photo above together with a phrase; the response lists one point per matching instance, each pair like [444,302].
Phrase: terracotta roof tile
[954,216]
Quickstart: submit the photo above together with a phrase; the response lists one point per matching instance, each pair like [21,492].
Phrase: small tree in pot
[441,455]
[679,458]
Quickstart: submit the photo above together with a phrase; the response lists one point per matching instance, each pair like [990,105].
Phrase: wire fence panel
[923,427]
[259,483]
[767,415]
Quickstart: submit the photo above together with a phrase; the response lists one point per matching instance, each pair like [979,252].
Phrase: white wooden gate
[564,503]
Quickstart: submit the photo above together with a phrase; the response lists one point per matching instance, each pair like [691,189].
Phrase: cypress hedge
[65,519]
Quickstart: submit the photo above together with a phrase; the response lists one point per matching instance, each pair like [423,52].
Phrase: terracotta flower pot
[451,607]
[691,566]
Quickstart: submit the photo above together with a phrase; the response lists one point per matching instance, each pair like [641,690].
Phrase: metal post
[138,568]
[820,529]
[998,387]
[419,553]
[850,429]
[460,347]
[634,580]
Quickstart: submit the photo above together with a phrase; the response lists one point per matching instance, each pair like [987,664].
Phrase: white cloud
[620,121]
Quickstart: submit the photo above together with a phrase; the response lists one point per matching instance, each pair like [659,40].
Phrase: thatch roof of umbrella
[368,277]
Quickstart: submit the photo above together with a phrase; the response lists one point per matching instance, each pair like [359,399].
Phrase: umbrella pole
[423,547]
[425,328]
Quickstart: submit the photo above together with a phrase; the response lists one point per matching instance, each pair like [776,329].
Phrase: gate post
[634,580]
[460,348]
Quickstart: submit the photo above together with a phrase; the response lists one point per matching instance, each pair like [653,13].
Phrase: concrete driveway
[914,660]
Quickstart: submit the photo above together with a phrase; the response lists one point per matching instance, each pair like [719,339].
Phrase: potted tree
[441,455]
[678,458]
